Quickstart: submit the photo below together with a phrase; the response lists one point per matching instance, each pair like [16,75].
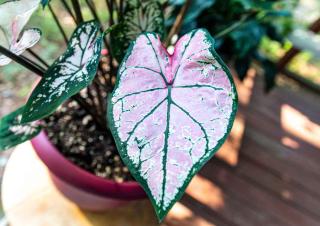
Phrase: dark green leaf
[45,3]
[195,9]
[247,38]
[70,73]
[270,72]
[139,16]
[13,133]
[246,4]
[242,66]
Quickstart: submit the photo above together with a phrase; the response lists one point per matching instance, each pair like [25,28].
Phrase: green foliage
[12,132]
[70,73]
[195,9]
[139,16]
[44,3]
[251,21]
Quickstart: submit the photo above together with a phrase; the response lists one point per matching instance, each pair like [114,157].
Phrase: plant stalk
[110,8]
[67,7]
[120,9]
[58,24]
[21,61]
[38,58]
[77,10]
[33,63]
[232,27]
[178,22]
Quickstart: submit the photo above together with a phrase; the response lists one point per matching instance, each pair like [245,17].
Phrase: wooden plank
[279,165]
[305,159]
[213,200]
[286,191]
[251,195]
[189,213]
[301,99]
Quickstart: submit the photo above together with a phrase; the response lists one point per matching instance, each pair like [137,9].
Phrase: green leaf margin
[7,138]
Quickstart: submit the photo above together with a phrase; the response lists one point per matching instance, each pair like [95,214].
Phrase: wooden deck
[277,178]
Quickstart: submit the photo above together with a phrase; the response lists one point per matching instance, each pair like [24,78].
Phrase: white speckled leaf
[12,132]
[13,17]
[70,73]
[170,113]
[139,16]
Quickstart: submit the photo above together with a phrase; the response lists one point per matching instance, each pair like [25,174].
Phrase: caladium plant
[170,113]
[13,17]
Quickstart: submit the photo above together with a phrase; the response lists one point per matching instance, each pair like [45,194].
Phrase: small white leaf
[14,15]
[29,38]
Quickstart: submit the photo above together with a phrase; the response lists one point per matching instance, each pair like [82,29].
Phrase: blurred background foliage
[256,31]
[246,32]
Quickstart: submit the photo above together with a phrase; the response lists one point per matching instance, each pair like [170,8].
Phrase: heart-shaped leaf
[139,16]
[70,73]
[13,133]
[13,17]
[170,113]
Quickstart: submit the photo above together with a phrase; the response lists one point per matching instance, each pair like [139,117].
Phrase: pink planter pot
[83,188]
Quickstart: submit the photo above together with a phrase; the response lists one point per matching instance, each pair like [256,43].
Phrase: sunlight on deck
[207,193]
[299,125]
[229,152]
[290,143]
[181,215]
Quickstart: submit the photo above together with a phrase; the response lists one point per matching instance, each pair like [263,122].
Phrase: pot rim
[70,173]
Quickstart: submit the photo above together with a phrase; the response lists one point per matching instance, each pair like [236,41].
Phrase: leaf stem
[20,60]
[178,22]
[35,55]
[58,24]
[110,8]
[33,63]
[109,29]
[67,7]
[233,27]
[120,9]
[77,10]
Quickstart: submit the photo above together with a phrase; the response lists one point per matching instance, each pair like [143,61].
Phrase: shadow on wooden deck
[276,180]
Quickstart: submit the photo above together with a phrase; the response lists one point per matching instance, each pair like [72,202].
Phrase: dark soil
[75,134]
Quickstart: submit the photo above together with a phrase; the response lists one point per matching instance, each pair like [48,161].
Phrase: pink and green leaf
[169,114]
[14,15]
